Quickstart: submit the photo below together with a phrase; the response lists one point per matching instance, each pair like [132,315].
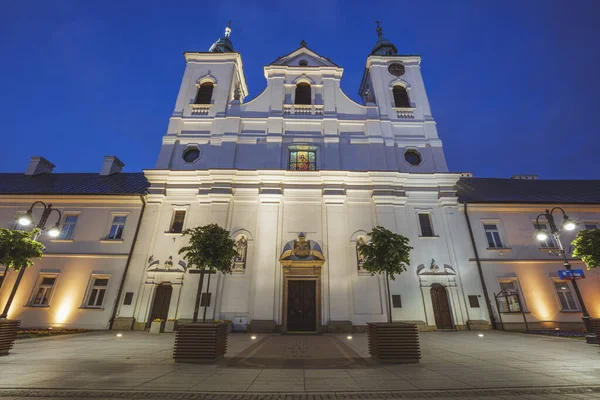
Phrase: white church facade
[303,163]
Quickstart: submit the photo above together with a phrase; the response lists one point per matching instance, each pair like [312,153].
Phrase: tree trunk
[198,297]
[389,298]
[207,298]
[12,293]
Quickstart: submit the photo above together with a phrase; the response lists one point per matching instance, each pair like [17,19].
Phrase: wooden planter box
[8,334]
[596,328]
[394,343]
[200,343]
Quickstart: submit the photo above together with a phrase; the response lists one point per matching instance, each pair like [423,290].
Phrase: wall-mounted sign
[569,274]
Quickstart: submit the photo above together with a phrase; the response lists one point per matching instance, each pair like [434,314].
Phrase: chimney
[528,177]
[39,165]
[112,165]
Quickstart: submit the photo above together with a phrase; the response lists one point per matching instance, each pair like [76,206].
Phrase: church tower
[212,82]
[393,82]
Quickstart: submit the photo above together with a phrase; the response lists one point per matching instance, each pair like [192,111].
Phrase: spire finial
[228,29]
[302,43]
[379,30]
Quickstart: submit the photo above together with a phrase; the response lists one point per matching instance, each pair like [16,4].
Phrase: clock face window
[396,69]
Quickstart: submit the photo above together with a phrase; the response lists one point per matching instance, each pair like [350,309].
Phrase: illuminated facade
[300,165]
[77,281]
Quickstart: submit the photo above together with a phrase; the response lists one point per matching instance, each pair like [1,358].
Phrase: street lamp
[541,235]
[27,220]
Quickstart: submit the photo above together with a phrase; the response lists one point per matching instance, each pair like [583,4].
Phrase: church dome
[223,45]
[383,47]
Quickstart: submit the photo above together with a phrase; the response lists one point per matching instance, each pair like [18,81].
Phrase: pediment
[312,59]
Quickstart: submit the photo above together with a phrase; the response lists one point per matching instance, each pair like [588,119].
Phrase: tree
[210,249]
[386,253]
[18,249]
[587,247]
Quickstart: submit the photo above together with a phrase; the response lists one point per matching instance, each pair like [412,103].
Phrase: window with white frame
[508,298]
[590,225]
[177,221]
[96,292]
[116,228]
[492,234]
[549,243]
[43,291]
[68,227]
[425,224]
[565,296]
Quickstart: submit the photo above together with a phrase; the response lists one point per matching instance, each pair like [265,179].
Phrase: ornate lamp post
[541,235]
[27,220]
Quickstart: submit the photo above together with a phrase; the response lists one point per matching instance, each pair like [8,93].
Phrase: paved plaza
[454,365]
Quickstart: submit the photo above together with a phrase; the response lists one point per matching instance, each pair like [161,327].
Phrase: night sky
[513,85]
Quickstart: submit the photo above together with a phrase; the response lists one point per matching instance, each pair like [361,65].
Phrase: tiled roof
[73,183]
[496,190]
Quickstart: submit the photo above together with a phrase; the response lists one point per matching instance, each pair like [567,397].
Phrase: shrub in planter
[388,253]
[210,249]
[155,326]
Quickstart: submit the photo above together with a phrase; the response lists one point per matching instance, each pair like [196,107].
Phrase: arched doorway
[441,307]
[162,301]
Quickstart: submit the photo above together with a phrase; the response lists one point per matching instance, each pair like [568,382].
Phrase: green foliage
[587,247]
[210,247]
[387,252]
[18,249]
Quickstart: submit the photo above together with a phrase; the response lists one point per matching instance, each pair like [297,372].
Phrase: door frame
[438,287]
[152,304]
[317,280]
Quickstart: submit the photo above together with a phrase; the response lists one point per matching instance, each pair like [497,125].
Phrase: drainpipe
[485,292]
[120,292]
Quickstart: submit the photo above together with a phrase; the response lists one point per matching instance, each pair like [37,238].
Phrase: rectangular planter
[8,334]
[394,343]
[200,343]
[169,326]
[155,328]
[596,328]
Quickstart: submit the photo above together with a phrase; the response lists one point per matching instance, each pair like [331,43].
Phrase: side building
[77,281]
[520,271]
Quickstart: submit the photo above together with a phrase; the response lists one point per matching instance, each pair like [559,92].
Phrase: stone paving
[454,365]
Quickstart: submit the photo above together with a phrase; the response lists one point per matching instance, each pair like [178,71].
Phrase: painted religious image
[239,261]
[303,161]
[360,259]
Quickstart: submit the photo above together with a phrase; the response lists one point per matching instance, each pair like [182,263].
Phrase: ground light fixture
[253,337]
[349,337]
[480,335]
[119,335]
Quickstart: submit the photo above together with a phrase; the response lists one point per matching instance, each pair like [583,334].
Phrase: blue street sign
[566,274]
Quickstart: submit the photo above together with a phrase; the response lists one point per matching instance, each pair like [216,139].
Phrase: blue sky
[513,85]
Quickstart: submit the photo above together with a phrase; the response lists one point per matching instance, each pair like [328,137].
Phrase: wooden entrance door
[162,301]
[441,307]
[302,306]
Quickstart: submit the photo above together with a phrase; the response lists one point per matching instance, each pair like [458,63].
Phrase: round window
[191,154]
[413,157]
[303,63]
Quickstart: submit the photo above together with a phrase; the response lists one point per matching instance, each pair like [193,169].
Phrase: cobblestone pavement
[454,365]
[486,394]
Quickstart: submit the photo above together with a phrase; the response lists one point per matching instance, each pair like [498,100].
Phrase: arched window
[204,95]
[303,93]
[400,97]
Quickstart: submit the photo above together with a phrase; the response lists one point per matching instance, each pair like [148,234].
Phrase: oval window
[413,157]
[191,154]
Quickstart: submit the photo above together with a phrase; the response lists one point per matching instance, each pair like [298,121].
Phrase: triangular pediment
[297,57]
